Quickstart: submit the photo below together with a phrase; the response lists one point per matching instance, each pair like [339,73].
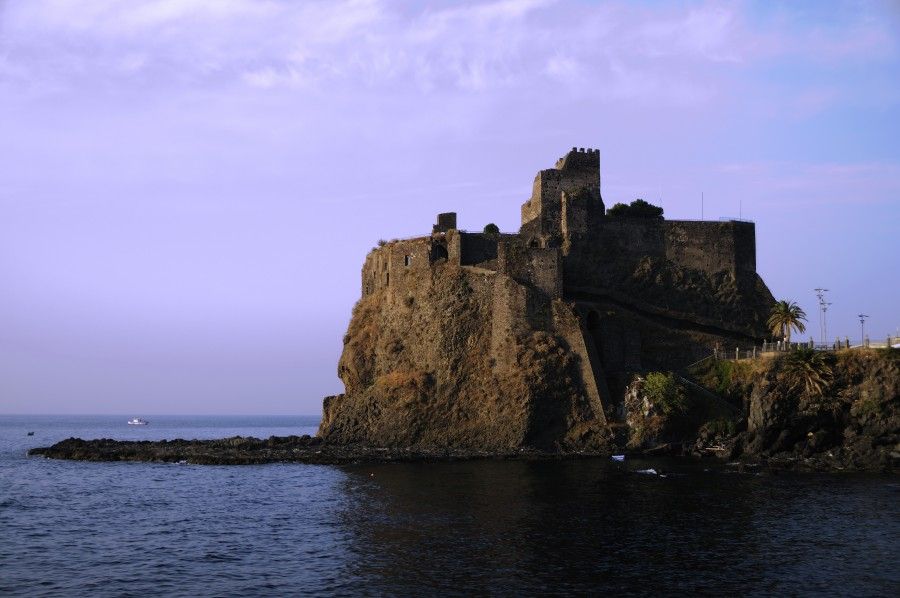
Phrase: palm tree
[807,370]
[786,315]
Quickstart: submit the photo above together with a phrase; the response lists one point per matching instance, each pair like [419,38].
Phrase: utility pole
[862,329]
[823,307]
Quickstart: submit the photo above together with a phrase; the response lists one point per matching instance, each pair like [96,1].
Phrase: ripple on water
[480,527]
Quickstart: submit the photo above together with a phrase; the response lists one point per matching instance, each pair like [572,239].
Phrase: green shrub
[491,230]
[724,374]
[666,394]
[728,379]
[638,209]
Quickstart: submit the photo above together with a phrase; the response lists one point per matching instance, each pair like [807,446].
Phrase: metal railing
[783,347]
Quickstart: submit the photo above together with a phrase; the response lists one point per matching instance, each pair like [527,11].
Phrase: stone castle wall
[566,210]
[710,247]
[477,249]
[398,264]
[577,170]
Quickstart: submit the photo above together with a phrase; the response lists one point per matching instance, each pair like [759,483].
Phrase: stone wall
[395,265]
[578,170]
[540,268]
[711,246]
[570,324]
[546,271]
[566,209]
[544,205]
[477,248]
[629,238]
[509,305]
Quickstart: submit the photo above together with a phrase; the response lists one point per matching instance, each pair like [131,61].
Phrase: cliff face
[421,370]
[814,410]
[852,422]
[741,304]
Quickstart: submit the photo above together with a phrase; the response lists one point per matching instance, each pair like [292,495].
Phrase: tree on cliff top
[808,371]
[785,316]
[638,209]
[492,230]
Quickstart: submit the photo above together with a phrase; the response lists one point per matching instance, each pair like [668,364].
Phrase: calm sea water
[503,528]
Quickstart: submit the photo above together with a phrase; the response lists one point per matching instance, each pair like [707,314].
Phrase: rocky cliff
[802,409]
[832,410]
[421,370]
[500,341]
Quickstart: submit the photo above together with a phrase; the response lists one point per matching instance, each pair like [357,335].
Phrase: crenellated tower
[564,199]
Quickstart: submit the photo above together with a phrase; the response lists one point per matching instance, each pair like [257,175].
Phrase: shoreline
[312,450]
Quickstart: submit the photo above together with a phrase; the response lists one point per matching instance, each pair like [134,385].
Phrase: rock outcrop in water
[491,341]
[853,423]
[751,413]
[241,450]
[827,411]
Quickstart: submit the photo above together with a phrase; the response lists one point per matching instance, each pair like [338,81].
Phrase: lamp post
[823,307]
[862,329]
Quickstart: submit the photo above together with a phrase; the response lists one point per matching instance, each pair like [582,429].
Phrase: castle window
[387,278]
[407,260]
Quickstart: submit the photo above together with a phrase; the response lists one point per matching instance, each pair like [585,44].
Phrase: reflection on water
[582,526]
[410,529]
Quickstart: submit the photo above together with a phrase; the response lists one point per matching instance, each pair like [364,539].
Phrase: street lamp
[823,307]
[862,329]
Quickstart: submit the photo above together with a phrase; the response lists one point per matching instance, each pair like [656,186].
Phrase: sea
[503,528]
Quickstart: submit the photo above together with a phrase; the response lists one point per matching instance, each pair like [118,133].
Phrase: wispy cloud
[177,161]
[623,51]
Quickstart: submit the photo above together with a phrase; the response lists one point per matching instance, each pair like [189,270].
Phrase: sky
[189,188]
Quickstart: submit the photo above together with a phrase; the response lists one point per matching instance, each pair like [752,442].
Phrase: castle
[566,230]
[618,294]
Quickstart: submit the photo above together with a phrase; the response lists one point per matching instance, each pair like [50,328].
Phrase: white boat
[136,421]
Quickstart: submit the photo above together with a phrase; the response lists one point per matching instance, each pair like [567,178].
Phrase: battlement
[581,158]
[576,175]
